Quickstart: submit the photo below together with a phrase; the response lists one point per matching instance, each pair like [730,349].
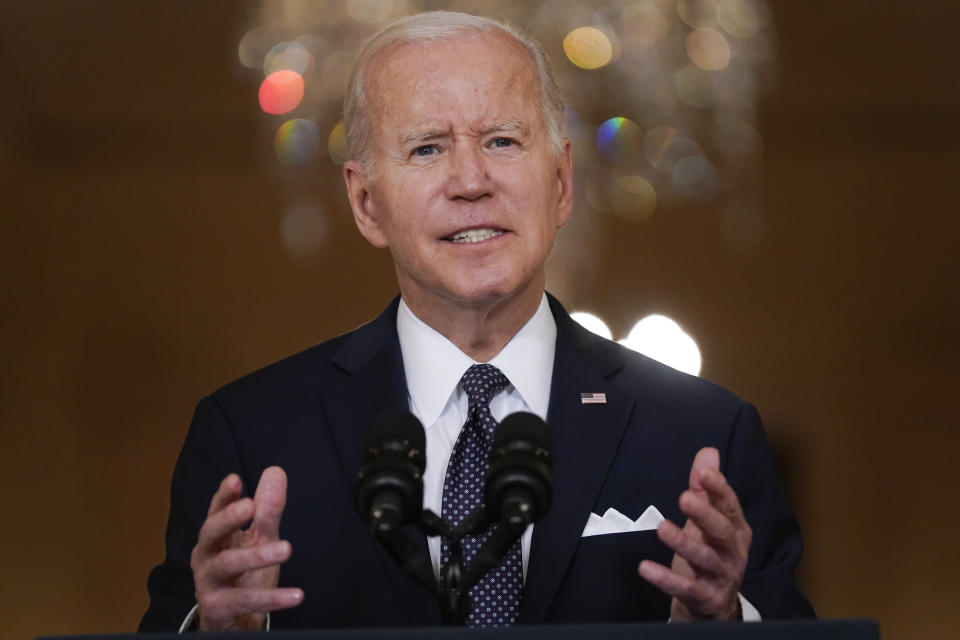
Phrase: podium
[777,629]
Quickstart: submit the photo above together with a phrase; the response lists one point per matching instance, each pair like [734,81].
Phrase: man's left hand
[710,552]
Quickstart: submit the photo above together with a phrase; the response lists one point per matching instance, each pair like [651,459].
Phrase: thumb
[268,503]
[707,458]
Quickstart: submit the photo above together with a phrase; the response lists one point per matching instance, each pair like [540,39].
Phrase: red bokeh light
[281,92]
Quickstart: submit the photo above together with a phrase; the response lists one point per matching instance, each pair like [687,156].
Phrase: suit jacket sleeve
[769,583]
[208,455]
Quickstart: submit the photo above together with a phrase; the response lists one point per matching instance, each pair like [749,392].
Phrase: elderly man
[460,167]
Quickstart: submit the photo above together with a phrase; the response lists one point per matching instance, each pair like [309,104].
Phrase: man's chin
[473,291]
[493,295]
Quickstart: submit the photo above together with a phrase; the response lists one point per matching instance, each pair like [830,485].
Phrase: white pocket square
[615,522]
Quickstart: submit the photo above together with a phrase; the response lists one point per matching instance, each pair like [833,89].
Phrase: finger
[697,554]
[222,524]
[686,589]
[706,458]
[716,527]
[229,490]
[230,563]
[236,603]
[269,501]
[723,497]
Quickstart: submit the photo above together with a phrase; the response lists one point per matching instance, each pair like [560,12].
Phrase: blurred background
[779,179]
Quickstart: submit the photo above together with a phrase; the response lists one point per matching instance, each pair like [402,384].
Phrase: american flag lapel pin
[593,398]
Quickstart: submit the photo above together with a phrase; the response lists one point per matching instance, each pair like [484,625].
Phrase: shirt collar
[527,361]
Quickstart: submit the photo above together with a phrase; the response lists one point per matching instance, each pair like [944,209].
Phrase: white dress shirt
[433,366]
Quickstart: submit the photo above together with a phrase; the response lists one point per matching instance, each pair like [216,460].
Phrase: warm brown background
[142,268]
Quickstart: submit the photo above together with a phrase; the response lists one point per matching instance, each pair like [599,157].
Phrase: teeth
[475,235]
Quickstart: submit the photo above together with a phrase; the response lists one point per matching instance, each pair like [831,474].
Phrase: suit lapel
[585,439]
[374,382]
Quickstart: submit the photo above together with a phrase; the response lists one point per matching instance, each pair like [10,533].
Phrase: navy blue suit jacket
[308,414]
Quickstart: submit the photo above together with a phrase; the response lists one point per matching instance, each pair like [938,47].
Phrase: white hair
[434,26]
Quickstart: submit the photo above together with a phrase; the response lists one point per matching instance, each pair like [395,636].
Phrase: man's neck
[481,331]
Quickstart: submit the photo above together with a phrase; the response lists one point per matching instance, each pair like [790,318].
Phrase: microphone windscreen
[397,424]
[521,426]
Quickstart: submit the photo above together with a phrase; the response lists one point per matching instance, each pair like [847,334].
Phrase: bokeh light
[739,18]
[642,25]
[633,198]
[656,142]
[592,323]
[337,144]
[695,86]
[281,92]
[303,229]
[662,339]
[317,46]
[254,45]
[620,140]
[288,56]
[597,194]
[695,178]
[588,48]
[698,14]
[663,146]
[708,49]
[296,141]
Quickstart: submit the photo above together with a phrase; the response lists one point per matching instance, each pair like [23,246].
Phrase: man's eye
[501,142]
[425,150]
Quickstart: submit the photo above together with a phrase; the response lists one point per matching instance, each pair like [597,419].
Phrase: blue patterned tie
[496,597]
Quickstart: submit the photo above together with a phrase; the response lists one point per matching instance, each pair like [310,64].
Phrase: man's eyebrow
[507,125]
[424,135]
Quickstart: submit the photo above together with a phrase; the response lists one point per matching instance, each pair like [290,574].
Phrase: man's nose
[469,178]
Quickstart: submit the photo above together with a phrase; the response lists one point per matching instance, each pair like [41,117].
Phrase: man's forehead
[423,91]
[413,63]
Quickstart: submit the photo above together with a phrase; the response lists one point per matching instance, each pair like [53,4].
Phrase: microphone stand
[406,554]
[456,579]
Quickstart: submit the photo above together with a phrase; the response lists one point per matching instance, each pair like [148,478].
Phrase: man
[459,166]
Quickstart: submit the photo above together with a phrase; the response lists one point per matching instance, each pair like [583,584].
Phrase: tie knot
[482,382]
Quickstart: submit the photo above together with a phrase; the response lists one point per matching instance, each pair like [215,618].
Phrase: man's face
[466,189]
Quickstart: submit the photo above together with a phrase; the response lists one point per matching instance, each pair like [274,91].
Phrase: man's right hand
[236,570]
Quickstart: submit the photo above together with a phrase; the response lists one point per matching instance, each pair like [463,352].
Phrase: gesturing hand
[710,552]
[235,570]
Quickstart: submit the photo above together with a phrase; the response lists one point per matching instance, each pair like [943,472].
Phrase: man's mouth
[474,235]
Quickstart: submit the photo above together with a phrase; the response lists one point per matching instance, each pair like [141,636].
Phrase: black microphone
[390,481]
[519,480]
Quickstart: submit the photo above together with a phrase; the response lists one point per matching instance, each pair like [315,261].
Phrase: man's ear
[365,213]
[565,183]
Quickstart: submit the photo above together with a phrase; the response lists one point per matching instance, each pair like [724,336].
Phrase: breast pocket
[602,583]
[639,544]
